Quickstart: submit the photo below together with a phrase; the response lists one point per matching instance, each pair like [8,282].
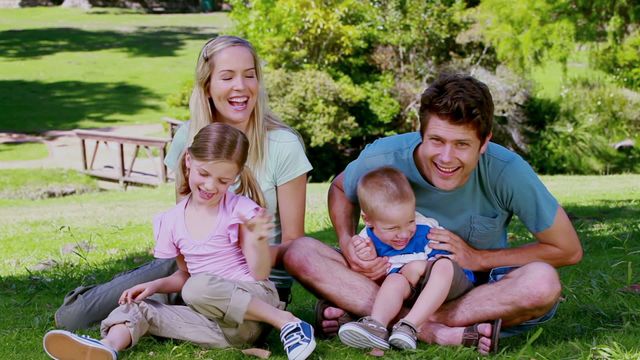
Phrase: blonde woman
[229,89]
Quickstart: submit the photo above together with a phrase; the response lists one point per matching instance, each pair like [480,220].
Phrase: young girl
[220,240]
[228,89]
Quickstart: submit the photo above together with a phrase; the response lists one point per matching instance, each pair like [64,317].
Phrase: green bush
[314,104]
[321,109]
[623,61]
[591,117]
[345,72]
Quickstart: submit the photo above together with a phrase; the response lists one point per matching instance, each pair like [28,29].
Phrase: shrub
[314,104]
[591,117]
[623,61]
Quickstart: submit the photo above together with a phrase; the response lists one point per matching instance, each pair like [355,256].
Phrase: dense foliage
[344,72]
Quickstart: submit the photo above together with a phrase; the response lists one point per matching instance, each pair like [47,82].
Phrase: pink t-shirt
[219,253]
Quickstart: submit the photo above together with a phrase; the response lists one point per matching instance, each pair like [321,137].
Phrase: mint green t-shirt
[502,185]
[285,160]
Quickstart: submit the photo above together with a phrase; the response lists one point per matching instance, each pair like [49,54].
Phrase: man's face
[448,153]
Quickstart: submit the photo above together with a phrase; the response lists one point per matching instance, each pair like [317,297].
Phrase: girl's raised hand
[137,293]
[261,226]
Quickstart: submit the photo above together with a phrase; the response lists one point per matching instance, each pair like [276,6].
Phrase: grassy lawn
[24,151]
[66,68]
[88,238]
[40,183]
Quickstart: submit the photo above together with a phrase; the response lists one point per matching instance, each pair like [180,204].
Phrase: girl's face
[234,86]
[209,181]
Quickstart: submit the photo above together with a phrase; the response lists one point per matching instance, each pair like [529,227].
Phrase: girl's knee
[200,290]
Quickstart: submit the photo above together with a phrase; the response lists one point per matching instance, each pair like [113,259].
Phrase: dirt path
[64,149]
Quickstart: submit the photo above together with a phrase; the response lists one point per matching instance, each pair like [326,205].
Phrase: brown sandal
[321,306]
[471,336]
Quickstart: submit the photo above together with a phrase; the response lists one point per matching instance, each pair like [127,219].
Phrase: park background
[565,77]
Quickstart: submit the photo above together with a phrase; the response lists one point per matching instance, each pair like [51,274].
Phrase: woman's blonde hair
[202,109]
[221,142]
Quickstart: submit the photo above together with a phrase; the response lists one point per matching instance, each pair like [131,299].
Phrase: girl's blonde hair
[221,142]
[202,109]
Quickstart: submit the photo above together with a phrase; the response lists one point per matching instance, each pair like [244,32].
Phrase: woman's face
[234,86]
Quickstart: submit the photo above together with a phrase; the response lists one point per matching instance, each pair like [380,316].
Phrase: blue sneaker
[65,345]
[297,338]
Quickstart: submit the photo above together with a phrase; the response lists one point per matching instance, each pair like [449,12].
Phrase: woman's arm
[292,199]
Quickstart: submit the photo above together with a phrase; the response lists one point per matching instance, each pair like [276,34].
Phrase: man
[473,188]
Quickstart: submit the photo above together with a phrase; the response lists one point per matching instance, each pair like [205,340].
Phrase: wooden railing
[121,172]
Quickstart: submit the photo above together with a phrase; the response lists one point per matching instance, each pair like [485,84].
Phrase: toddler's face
[396,226]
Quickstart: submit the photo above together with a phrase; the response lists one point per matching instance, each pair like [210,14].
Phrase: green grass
[33,184]
[65,68]
[595,321]
[23,151]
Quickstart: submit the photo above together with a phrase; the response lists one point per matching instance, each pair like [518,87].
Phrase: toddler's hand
[260,226]
[364,248]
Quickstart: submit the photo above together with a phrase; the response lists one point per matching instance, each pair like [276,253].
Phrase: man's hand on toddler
[463,254]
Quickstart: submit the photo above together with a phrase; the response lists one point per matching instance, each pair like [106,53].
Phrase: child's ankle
[289,319]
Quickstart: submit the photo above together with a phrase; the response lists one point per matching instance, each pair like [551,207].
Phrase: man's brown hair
[460,100]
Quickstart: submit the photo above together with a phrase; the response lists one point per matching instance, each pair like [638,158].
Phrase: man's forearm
[343,213]
[525,254]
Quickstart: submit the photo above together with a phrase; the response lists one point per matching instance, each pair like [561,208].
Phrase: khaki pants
[214,317]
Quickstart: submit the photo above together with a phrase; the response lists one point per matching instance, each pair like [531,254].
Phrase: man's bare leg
[525,293]
[324,272]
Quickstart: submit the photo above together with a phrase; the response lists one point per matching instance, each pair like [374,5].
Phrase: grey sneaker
[403,335]
[365,333]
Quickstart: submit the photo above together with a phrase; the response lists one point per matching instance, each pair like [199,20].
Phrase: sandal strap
[470,336]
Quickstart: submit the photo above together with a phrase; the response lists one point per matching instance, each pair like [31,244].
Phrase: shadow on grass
[34,106]
[144,41]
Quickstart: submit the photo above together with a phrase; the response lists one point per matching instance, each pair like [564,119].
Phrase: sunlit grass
[108,232]
[64,68]
[23,151]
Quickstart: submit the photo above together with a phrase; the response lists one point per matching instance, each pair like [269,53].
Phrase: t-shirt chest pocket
[486,232]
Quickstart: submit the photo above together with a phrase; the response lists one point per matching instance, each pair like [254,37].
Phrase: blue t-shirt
[417,245]
[502,185]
